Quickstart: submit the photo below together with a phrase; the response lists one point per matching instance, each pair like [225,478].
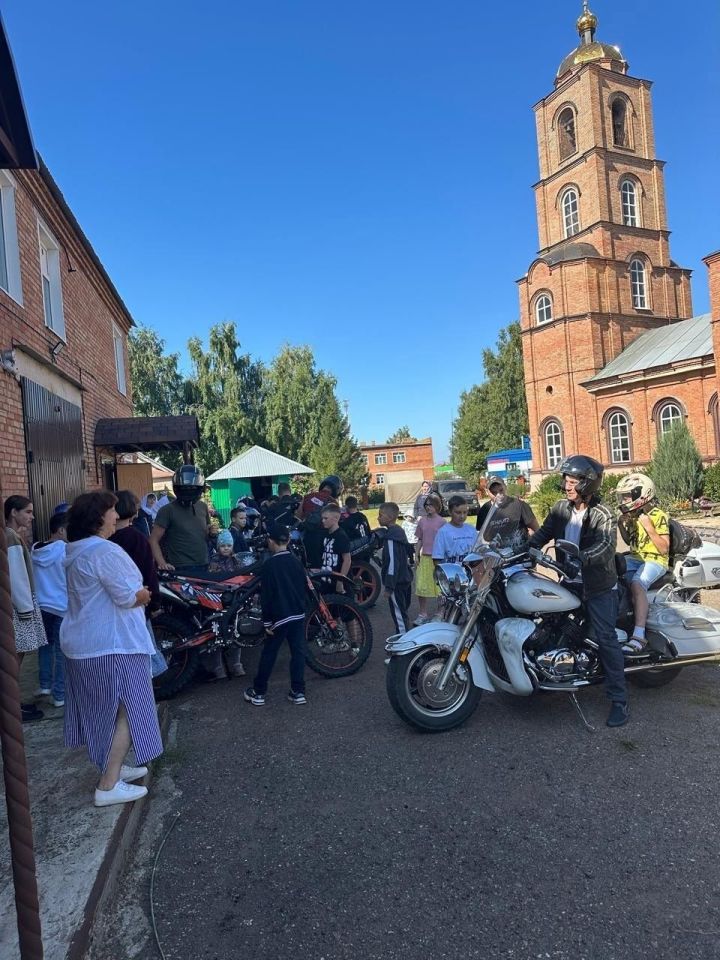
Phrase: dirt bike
[508,627]
[364,571]
[217,612]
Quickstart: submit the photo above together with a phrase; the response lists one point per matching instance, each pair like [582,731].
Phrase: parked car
[455,487]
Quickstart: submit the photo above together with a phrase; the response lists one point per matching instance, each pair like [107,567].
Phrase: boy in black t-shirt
[355,524]
[336,544]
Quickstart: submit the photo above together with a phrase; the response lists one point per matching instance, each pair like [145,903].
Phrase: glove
[573,568]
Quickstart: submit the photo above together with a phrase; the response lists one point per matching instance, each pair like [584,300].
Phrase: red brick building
[63,347]
[386,459]
[612,353]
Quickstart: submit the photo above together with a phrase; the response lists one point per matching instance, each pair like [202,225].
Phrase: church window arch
[619,114]
[714,411]
[630,203]
[618,431]
[570,206]
[552,435]
[543,308]
[666,413]
[567,133]
[639,284]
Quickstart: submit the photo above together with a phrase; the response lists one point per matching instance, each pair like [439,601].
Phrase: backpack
[682,539]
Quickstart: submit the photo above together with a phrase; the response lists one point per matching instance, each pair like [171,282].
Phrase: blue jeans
[602,611]
[51,662]
[644,573]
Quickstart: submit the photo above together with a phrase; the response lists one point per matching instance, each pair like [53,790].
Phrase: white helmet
[639,487]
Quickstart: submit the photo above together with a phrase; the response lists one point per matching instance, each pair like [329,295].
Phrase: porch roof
[130,434]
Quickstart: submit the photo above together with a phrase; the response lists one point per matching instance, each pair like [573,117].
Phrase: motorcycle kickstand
[576,704]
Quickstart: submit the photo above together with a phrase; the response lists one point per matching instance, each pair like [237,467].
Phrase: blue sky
[355,176]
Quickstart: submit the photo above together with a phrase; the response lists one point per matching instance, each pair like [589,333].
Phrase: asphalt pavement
[333,831]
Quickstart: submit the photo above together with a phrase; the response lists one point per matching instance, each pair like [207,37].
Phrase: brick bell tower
[603,274]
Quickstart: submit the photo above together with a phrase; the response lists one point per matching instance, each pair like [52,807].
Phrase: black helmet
[188,484]
[334,485]
[586,471]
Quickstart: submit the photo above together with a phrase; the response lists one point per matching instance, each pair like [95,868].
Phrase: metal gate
[54,445]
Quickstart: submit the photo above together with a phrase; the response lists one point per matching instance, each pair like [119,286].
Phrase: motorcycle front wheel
[366,580]
[182,664]
[340,648]
[411,688]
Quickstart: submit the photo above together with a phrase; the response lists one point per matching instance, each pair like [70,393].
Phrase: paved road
[334,831]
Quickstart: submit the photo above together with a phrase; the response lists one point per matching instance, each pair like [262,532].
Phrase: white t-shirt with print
[452,543]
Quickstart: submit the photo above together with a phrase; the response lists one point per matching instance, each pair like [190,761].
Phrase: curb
[116,855]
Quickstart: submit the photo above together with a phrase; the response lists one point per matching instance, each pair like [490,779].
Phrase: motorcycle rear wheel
[366,580]
[341,651]
[650,679]
[410,688]
[183,665]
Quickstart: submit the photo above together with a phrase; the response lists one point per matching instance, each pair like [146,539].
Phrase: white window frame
[629,200]
[666,422]
[543,309]
[570,212]
[619,433]
[379,479]
[50,282]
[638,284]
[10,276]
[398,456]
[380,459]
[119,354]
[553,446]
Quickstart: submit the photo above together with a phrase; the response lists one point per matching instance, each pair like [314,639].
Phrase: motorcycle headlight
[452,579]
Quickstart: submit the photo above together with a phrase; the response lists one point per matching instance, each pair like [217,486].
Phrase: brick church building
[613,355]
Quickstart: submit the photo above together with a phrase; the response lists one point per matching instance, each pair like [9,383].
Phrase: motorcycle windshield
[503,527]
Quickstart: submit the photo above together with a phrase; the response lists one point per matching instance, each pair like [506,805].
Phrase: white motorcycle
[508,627]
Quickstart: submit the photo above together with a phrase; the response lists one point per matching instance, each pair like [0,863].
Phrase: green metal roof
[667,346]
[259,462]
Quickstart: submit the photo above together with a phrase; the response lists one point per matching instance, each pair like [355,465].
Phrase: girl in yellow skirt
[427,528]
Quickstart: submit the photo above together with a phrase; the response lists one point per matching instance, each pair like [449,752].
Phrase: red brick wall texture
[418,456]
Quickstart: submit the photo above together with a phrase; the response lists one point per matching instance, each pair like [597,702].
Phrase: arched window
[618,433]
[668,415]
[619,122]
[714,411]
[628,193]
[566,133]
[638,284]
[571,212]
[553,444]
[543,309]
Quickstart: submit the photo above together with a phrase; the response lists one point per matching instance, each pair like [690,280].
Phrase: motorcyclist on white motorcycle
[583,520]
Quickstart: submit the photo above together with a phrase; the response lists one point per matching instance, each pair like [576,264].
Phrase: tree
[226,393]
[158,388]
[492,415]
[336,450]
[401,434]
[676,467]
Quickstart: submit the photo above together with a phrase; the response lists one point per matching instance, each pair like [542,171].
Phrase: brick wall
[418,456]
[91,308]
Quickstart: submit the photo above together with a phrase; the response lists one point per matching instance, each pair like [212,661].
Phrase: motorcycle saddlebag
[684,629]
[701,568]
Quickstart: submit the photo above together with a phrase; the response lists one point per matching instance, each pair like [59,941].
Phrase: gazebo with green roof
[256,473]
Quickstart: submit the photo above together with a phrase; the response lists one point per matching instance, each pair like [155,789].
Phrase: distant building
[510,464]
[384,460]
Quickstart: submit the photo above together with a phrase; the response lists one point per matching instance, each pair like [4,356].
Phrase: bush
[548,493]
[609,486]
[677,467]
[377,495]
[711,482]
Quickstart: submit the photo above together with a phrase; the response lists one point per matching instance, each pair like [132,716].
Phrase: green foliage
[402,433]
[376,495]
[676,466]
[226,394]
[711,482]
[335,450]
[158,389]
[609,486]
[296,394]
[492,415]
[548,492]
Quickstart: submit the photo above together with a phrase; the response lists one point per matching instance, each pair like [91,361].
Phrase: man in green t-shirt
[645,528]
[179,537]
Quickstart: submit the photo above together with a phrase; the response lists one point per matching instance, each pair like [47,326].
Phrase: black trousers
[294,633]
[399,601]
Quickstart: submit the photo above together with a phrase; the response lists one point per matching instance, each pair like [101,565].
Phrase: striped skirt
[94,689]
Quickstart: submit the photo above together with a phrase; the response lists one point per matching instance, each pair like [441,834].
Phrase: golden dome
[587,20]
[588,52]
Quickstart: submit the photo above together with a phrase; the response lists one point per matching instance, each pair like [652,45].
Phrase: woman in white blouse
[109,699]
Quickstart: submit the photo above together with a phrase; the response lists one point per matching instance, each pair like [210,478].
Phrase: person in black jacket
[396,572]
[584,520]
[283,598]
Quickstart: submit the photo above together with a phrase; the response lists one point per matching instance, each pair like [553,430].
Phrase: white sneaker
[58,703]
[420,620]
[121,793]
[43,692]
[128,774]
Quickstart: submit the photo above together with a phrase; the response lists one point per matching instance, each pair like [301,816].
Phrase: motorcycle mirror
[569,548]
